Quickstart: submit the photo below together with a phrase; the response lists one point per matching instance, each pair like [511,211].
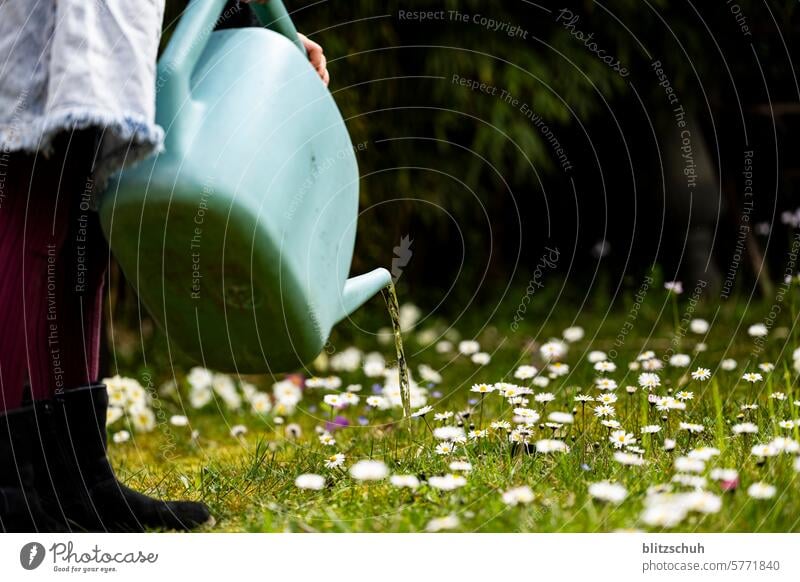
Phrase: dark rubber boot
[20,508]
[76,478]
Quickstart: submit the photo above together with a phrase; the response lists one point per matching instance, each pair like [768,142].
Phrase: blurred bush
[472,180]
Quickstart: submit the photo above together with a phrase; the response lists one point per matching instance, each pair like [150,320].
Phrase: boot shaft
[73,430]
[17,436]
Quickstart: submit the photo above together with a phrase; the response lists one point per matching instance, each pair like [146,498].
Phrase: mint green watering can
[238,237]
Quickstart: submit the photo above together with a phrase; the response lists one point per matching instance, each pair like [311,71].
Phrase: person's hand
[317,58]
[313,49]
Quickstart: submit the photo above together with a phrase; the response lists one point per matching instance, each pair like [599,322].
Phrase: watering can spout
[358,290]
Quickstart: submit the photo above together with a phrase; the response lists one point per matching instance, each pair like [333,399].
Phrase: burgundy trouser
[53,259]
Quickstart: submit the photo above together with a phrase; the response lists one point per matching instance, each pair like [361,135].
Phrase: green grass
[249,481]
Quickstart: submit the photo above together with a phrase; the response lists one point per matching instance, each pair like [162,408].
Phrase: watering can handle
[273,15]
[189,40]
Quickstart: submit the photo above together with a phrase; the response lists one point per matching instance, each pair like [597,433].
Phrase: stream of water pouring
[390,297]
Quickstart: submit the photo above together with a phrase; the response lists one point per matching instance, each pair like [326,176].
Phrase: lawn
[660,414]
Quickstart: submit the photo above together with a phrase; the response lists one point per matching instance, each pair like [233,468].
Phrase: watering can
[238,237]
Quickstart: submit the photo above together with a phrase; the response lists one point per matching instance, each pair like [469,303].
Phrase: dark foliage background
[476,184]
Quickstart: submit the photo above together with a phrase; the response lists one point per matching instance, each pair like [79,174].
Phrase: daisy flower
[744,428]
[761,490]
[606,384]
[620,439]
[334,461]
[327,439]
[446,448]
[512,390]
[752,377]
[442,523]
[334,400]
[628,459]
[447,482]
[551,446]
[675,287]
[763,451]
[448,433]
[610,492]
[469,347]
[541,381]
[422,411]
[310,481]
[606,398]
[652,365]
[693,481]
[728,364]
[666,515]
[527,415]
[374,368]
[525,372]
[785,445]
[605,366]
[461,466]
[553,350]
[680,361]
[482,388]
[688,465]
[573,334]
[379,402]
[597,356]
[561,417]
[260,403]
[368,470]
[604,411]
[704,453]
[500,425]
[518,496]
[143,418]
[693,428]
[407,481]
[649,380]
[669,403]
[444,347]
[701,374]
[724,474]
[113,414]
